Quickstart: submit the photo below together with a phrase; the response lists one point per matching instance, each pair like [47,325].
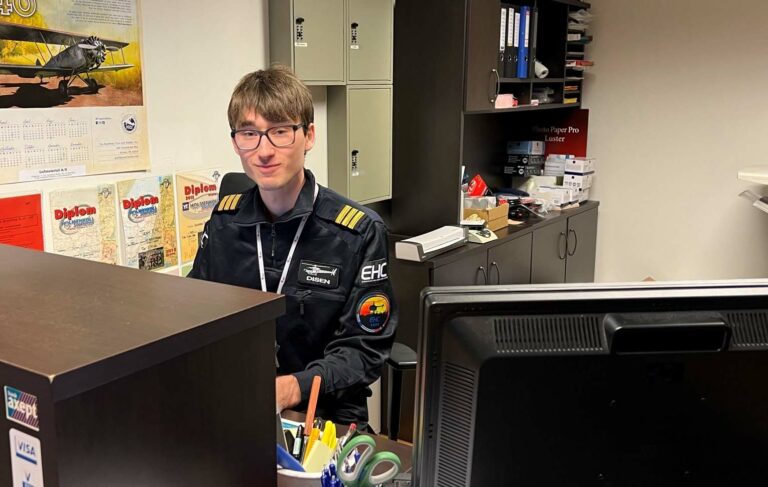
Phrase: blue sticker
[21,407]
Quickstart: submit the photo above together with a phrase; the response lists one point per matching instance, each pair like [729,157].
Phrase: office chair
[234,183]
[401,358]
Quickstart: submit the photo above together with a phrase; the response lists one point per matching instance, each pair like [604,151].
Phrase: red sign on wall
[567,135]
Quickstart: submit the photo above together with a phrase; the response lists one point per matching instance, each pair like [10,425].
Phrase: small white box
[554,167]
[583,195]
[578,181]
[558,195]
[581,166]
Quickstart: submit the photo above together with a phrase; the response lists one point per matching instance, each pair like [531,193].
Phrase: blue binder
[522,58]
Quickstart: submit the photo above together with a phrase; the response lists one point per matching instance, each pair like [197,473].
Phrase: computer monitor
[660,384]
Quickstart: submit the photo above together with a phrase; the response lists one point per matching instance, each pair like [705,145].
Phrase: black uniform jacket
[341,316]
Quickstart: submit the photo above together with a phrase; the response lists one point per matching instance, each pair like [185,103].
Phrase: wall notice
[71,89]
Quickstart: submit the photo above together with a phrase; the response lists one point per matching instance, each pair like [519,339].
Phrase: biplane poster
[83,223]
[70,89]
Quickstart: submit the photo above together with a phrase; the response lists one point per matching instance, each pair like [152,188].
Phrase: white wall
[194,54]
[678,104]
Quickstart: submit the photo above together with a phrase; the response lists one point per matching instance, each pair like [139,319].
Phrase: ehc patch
[315,274]
[373,312]
[373,272]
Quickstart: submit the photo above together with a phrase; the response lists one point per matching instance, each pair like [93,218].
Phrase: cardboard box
[495,218]
[580,166]
[578,181]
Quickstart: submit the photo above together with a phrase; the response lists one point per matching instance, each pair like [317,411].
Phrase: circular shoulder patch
[373,312]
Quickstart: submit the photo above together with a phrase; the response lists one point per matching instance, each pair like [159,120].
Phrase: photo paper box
[523,147]
[578,181]
[581,166]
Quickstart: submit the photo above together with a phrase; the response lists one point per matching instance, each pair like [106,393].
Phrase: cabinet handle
[353,35]
[355,161]
[561,239]
[485,275]
[495,95]
[575,240]
[498,271]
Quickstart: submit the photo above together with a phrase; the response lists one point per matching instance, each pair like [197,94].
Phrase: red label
[141,201]
[76,212]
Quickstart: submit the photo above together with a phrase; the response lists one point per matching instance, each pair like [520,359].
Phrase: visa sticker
[26,459]
[21,407]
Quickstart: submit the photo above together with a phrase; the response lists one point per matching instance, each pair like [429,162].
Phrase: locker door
[318,40]
[369,40]
[370,143]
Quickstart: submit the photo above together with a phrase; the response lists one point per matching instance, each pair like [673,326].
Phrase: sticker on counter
[26,460]
[21,408]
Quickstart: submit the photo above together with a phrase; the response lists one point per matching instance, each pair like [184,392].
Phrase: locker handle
[498,271]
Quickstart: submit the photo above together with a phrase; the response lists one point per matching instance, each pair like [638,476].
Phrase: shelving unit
[444,115]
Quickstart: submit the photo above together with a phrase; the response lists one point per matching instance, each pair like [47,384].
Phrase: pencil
[313,395]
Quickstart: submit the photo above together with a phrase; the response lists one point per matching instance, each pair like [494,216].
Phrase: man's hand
[287,392]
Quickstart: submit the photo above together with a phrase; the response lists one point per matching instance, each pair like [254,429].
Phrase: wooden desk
[402,450]
[137,378]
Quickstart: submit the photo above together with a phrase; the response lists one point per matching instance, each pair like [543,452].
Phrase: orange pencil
[313,395]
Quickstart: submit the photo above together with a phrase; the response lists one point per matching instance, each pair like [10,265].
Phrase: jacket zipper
[272,226]
[302,295]
[305,294]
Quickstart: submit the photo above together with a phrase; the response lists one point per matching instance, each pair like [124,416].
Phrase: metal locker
[369,31]
[318,40]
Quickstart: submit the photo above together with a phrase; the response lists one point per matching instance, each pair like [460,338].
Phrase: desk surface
[78,323]
[405,452]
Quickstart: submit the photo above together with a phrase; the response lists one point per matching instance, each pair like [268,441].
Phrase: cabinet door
[482,53]
[318,40]
[370,144]
[369,40]
[467,271]
[549,253]
[582,243]
[510,262]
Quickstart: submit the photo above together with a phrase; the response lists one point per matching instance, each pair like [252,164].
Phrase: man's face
[273,168]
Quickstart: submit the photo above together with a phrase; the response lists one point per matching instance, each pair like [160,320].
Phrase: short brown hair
[274,93]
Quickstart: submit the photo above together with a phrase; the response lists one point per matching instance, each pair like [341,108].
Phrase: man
[325,253]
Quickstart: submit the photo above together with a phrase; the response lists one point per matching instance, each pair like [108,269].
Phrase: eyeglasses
[250,139]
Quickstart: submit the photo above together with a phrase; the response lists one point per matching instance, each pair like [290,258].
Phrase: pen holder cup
[291,478]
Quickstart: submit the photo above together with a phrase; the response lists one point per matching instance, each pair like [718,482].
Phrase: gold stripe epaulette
[349,217]
[229,202]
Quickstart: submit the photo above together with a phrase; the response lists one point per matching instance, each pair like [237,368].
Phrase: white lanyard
[295,243]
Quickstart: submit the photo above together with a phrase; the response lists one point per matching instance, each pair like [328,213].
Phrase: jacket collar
[254,212]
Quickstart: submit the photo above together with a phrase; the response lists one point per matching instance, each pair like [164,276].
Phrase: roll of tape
[540,70]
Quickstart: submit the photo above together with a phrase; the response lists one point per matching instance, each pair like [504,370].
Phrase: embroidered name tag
[315,274]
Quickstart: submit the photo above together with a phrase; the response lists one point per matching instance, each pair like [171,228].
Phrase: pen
[313,395]
[298,444]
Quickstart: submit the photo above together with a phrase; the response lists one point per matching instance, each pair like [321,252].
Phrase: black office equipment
[658,384]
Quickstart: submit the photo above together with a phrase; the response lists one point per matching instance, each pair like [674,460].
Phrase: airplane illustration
[77,58]
[314,270]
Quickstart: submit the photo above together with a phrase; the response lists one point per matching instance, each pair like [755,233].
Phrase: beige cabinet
[346,45]
[369,41]
[332,42]
[308,35]
[360,141]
